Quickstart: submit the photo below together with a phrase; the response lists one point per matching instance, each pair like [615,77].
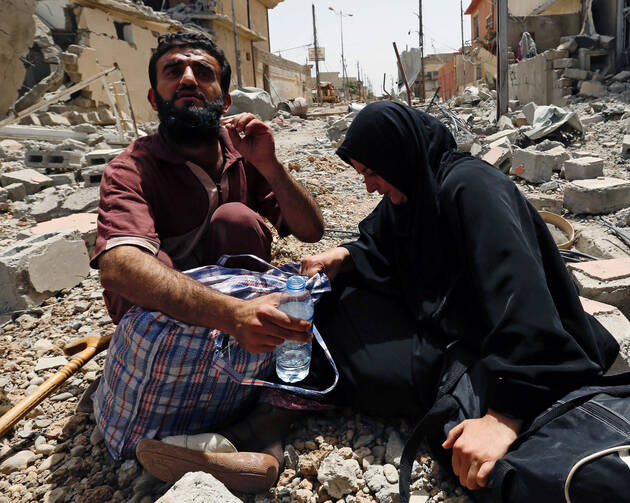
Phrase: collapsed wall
[16,37]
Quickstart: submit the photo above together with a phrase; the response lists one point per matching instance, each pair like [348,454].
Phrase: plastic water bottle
[293,358]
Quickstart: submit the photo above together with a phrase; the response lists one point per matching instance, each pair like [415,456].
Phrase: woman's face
[374,182]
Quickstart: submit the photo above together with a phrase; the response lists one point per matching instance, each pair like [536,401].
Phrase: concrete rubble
[50,169]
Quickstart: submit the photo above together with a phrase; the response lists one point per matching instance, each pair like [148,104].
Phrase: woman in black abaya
[453,252]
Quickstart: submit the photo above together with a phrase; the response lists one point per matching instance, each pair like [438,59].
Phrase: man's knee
[236,216]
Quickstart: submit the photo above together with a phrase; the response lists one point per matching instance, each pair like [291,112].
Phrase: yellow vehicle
[328,93]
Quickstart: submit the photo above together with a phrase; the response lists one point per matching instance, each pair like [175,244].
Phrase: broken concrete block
[106,117]
[619,327]
[519,119]
[617,87]
[545,203]
[504,123]
[566,63]
[623,76]
[570,46]
[592,88]
[85,223]
[625,147]
[583,168]
[510,134]
[82,201]
[529,110]
[253,100]
[500,158]
[16,191]
[47,208]
[37,267]
[592,119]
[30,120]
[53,119]
[75,117]
[97,157]
[475,149]
[92,176]
[594,197]
[62,179]
[606,281]
[557,156]
[32,180]
[50,362]
[535,167]
[55,160]
[576,74]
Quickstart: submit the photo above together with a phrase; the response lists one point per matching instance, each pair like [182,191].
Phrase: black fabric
[472,261]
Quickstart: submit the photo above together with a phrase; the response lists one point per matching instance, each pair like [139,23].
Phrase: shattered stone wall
[17,30]
[101,46]
[288,79]
[546,30]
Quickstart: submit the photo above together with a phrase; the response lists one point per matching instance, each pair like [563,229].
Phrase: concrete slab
[592,88]
[545,203]
[510,134]
[583,168]
[85,223]
[614,290]
[498,157]
[529,110]
[597,196]
[33,181]
[619,327]
[82,201]
[16,191]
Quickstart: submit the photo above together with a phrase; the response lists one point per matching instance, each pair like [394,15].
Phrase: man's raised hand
[253,139]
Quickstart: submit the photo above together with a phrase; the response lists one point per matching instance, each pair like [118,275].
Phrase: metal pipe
[239,80]
[402,72]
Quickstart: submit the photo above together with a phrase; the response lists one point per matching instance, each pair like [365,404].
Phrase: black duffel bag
[577,451]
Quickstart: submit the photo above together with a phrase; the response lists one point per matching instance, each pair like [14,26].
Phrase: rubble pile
[571,161]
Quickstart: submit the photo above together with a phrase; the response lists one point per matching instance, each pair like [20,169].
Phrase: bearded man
[176,200]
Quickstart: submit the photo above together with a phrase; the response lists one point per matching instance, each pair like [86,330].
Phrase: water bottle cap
[296,283]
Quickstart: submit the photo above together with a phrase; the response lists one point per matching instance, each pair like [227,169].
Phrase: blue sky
[368,34]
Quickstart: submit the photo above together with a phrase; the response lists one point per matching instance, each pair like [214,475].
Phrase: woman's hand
[329,262]
[477,444]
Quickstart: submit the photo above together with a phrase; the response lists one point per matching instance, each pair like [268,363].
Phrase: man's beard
[192,125]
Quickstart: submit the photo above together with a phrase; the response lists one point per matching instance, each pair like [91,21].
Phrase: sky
[367,34]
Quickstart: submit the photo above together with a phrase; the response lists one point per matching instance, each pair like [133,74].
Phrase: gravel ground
[55,455]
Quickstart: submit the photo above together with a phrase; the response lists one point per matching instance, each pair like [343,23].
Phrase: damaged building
[590,39]
[51,45]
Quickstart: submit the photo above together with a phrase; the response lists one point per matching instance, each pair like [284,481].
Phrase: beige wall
[98,33]
[288,79]
[525,7]
[16,37]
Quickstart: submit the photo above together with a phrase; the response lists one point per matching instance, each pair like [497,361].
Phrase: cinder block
[51,161]
[32,180]
[594,197]
[63,160]
[92,176]
[619,327]
[83,200]
[37,267]
[566,63]
[625,147]
[606,281]
[576,74]
[97,157]
[583,168]
[535,167]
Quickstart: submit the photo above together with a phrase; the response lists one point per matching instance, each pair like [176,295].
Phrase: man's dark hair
[193,40]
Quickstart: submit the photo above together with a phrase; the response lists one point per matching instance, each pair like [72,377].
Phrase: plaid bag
[163,377]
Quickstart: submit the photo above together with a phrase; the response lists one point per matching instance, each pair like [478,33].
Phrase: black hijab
[405,147]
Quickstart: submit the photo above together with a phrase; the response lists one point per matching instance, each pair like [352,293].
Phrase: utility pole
[502,61]
[359,80]
[421,44]
[319,90]
[344,76]
[461,13]
[239,80]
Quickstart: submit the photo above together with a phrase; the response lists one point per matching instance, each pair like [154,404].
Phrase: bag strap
[562,406]
[456,363]
[222,365]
